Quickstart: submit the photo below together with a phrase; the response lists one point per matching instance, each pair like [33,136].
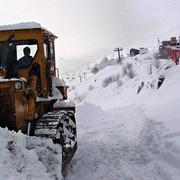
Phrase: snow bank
[30,158]
[164,104]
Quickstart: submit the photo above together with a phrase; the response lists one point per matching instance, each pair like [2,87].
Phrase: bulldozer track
[60,126]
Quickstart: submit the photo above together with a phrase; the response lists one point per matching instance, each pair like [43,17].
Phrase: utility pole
[119,50]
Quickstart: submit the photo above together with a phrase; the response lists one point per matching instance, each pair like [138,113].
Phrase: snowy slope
[125,135]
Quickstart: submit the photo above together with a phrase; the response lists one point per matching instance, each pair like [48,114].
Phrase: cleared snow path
[110,148]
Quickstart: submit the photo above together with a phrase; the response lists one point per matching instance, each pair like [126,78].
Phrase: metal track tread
[61,127]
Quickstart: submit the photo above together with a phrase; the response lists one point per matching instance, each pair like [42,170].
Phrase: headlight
[18,85]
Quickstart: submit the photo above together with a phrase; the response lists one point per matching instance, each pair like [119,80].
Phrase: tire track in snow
[119,144]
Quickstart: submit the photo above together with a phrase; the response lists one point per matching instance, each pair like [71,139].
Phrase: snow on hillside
[28,158]
[127,128]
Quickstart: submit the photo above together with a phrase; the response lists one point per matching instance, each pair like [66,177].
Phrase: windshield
[16,55]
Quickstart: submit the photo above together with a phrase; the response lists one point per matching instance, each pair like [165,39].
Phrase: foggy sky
[91,29]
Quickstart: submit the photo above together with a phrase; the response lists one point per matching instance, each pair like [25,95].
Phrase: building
[134,52]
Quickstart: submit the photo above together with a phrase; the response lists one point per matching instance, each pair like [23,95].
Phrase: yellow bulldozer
[32,98]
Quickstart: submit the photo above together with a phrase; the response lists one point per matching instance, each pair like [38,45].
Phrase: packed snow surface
[128,129]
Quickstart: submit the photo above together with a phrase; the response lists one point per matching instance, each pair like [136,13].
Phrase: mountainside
[128,128]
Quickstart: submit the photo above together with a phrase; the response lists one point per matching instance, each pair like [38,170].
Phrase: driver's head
[27,51]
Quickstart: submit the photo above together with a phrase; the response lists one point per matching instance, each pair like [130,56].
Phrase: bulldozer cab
[31,97]
[27,68]
[26,50]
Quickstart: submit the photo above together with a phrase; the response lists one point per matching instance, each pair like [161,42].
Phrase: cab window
[25,54]
[17,54]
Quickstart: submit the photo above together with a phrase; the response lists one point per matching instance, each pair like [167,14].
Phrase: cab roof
[26,26]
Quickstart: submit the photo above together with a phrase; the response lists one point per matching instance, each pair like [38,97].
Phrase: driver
[26,60]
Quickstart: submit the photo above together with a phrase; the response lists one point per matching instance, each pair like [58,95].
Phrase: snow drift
[28,158]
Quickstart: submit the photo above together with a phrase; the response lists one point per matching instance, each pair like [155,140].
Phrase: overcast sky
[91,29]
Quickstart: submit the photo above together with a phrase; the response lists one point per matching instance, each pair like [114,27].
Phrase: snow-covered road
[122,144]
